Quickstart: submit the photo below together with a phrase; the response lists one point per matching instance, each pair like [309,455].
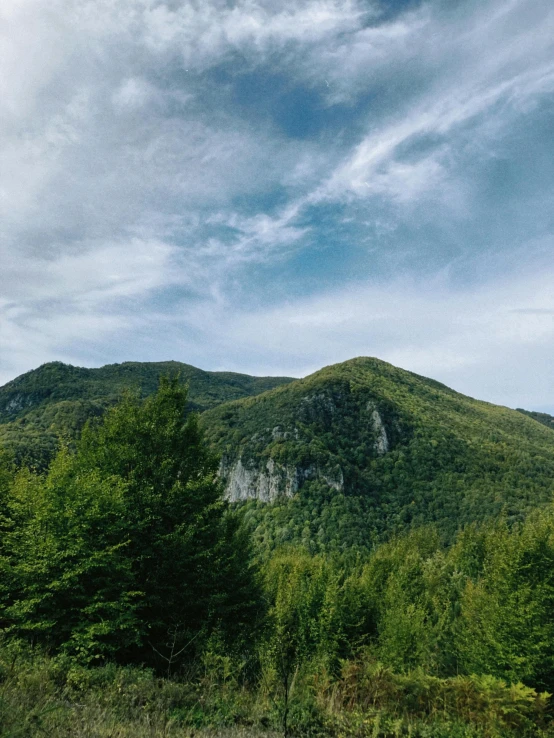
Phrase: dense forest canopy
[367,448]
[380,450]
[57,399]
[132,591]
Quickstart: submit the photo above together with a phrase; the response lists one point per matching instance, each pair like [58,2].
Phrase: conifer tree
[126,548]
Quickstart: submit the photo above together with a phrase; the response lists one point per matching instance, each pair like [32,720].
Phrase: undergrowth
[45,696]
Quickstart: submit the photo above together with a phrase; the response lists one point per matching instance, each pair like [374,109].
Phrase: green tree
[126,548]
[507,618]
[304,623]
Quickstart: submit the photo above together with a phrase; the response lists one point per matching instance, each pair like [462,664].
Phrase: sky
[270,187]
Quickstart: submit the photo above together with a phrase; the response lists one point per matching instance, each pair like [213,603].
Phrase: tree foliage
[55,400]
[448,459]
[364,612]
[126,548]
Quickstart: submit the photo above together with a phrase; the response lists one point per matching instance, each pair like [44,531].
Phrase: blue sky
[271,187]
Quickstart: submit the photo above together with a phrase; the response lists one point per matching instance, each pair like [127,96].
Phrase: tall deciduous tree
[507,618]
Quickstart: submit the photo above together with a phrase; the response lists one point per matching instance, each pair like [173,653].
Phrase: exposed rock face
[18,402]
[382,444]
[272,480]
[251,475]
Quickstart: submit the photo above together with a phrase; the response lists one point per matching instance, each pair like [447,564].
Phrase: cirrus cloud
[189,173]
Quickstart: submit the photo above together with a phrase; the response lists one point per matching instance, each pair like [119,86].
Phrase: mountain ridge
[347,455]
[58,398]
[387,446]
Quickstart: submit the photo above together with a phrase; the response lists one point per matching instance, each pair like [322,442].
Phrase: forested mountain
[123,554]
[346,456]
[543,418]
[56,399]
[364,448]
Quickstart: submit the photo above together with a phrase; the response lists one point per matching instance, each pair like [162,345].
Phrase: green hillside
[345,456]
[543,418]
[134,603]
[362,448]
[56,399]
[322,622]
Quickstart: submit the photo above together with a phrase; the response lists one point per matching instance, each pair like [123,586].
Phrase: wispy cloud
[494,81]
[207,32]
[48,303]
[186,171]
[468,338]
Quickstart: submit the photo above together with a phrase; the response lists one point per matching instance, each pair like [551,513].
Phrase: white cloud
[128,165]
[97,134]
[491,341]
[351,64]
[202,33]
[88,295]
[133,93]
[93,272]
[479,75]
[257,238]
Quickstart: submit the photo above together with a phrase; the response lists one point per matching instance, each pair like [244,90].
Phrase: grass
[44,696]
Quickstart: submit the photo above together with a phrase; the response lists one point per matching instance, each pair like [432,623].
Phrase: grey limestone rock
[271,480]
[381,439]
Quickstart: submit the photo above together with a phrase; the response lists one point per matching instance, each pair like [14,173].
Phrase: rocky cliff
[303,447]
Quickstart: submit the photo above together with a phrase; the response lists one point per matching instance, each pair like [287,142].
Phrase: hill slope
[543,418]
[362,448]
[345,456]
[57,398]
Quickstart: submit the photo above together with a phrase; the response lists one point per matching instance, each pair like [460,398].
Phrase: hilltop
[363,448]
[57,399]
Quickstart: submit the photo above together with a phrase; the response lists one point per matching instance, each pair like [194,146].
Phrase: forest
[136,601]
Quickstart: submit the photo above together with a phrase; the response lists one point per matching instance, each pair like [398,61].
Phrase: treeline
[57,399]
[133,603]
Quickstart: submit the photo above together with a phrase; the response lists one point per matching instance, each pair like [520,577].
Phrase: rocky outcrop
[271,480]
[252,476]
[18,402]
[381,444]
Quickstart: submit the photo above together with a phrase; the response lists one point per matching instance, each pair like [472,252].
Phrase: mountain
[360,449]
[346,456]
[56,399]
